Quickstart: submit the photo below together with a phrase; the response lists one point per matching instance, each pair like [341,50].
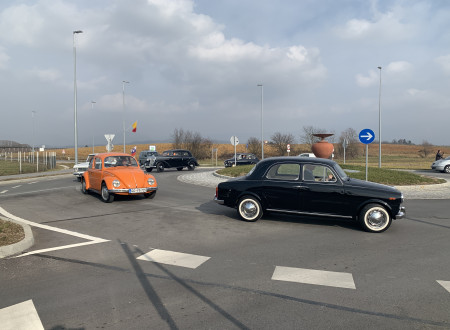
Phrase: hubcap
[376,218]
[249,209]
[105,193]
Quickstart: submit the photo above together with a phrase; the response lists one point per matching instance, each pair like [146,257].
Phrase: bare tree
[308,135]
[427,148]
[200,147]
[280,142]
[351,138]
[254,146]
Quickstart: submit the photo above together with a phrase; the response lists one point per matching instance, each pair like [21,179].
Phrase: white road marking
[312,276]
[3,191]
[174,258]
[20,316]
[445,284]
[17,186]
[91,239]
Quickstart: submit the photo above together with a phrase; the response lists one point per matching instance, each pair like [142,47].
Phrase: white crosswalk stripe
[312,276]
[174,258]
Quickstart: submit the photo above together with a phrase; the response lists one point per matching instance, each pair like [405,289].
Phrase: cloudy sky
[196,64]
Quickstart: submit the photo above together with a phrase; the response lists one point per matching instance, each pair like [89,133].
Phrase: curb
[27,242]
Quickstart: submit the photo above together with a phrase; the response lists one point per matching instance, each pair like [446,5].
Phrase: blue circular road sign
[366,136]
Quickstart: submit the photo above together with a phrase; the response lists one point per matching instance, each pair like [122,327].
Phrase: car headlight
[151,181]
[116,183]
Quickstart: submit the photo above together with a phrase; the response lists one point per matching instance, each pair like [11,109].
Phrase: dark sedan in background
[311,186]
[171,158]
[241,159]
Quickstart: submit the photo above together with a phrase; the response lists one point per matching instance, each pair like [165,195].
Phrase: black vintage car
[241,159]
[171,158]
[311,186]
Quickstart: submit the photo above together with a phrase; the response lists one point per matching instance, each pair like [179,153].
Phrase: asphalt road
[199,267]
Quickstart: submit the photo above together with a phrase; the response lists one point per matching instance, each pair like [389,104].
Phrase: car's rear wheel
[160,167]
[447,169]
[191,166]
[179,168]
[249,208]
[149,169]
[107,197]
[83,186]
[150,195]
[374,218]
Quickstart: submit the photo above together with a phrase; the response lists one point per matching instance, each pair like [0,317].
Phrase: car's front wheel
[160,167]
[447,169]
[374,218]
[249,208]
[107,197]
[83,186]
[191,166]
[149,169]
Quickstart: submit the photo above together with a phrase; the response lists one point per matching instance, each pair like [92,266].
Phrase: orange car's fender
[86,180]
[108,178]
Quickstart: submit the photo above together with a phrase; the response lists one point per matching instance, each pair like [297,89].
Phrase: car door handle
[301,187]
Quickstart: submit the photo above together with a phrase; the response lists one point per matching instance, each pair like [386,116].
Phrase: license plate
[137,190]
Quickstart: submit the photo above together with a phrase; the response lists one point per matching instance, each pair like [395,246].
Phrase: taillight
[217,191]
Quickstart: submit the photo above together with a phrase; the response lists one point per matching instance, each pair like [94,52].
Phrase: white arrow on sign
[368,136]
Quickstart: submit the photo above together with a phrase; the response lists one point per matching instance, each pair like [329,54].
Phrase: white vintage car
[80,168]
[442,165]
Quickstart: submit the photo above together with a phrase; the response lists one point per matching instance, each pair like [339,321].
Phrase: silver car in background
[442,165]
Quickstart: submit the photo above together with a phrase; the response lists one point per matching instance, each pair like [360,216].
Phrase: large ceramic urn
[322,148]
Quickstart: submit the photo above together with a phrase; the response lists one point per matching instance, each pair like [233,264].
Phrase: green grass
[375,174]
[10,233]
[8,167]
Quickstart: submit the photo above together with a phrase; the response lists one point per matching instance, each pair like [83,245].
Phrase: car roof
[107,154]
[265,163]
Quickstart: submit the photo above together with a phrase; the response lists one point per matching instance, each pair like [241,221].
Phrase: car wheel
[447,169]
[179,168]
[78,178]
[191,166]
[160,167]
[83,186]
[374,218]
[106,196]
[149,169]
[249,209]
[150,195]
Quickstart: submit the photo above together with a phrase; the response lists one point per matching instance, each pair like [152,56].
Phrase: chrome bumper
[218,201]
[128,190]
[401,213]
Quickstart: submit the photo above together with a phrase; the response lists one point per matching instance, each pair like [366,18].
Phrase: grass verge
[10,233]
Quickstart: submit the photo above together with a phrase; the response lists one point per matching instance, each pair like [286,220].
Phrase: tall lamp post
[92,105]
[75,95]
[379,121]
[32,116]
[262,120]
[123,117]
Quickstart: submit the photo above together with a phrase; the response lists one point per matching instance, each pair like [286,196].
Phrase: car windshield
[115,161]
[340,172]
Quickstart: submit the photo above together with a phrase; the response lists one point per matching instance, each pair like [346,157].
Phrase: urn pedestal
[322,149]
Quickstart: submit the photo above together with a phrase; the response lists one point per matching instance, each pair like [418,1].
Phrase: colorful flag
[133,151]
[134,127]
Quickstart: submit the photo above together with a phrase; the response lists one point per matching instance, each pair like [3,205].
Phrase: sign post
[366,136]
[109,138]
[234,141]
[288,149]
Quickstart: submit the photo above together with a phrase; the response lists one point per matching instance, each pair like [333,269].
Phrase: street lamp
[262,120]
[123,117]
[92,104]
[379,121]
[75,94]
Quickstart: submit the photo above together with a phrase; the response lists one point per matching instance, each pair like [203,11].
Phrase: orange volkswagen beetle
[112,174]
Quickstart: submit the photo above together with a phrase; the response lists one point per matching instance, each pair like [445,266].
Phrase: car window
[284,172]
[318,173]
[98,163]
